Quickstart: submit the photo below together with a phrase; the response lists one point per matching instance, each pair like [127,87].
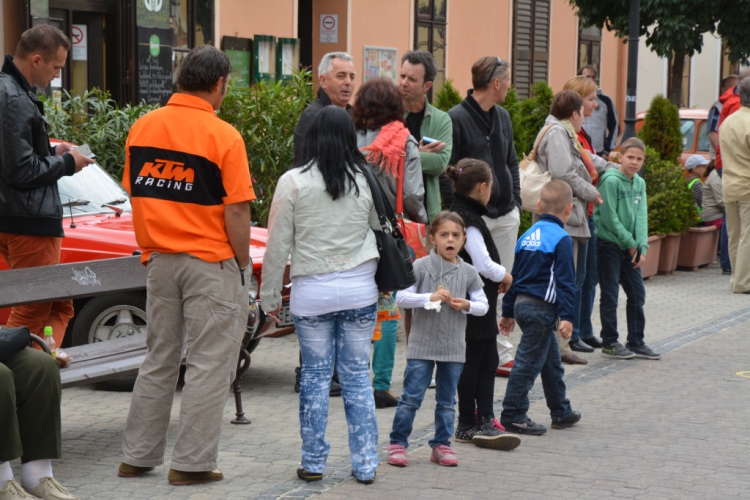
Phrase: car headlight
[252,288]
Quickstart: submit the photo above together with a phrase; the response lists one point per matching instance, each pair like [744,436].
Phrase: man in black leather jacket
[30,209]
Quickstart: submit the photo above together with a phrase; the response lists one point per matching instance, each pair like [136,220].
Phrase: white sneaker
[49,489]
[11,490]
[432,384]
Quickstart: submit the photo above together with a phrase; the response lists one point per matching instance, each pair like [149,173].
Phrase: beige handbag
[532,178]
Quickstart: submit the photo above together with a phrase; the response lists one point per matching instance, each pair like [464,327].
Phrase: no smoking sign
[79,36]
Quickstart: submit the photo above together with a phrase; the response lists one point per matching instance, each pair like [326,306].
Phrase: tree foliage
[447,97]
[661,129]
[674,28]
[93,118]
[266,115]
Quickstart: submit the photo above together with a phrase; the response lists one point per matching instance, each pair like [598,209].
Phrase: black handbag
[12,340]
[395,271]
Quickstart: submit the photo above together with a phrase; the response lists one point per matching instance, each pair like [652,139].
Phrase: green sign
[153,13]
[240,67]
[153,45]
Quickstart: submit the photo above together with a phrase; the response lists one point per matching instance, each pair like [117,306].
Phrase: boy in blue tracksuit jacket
[543,290]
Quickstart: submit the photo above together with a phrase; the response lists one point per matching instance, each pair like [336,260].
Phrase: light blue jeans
[343,338]
[416,380]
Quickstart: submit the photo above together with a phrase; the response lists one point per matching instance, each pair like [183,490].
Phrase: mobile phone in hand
[85,150]
[428,140]
[638,251]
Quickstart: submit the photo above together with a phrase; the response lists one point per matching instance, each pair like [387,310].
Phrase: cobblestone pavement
[674,428]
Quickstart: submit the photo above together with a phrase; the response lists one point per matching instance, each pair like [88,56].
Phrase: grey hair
[326,64]
[744,88]
[487,69]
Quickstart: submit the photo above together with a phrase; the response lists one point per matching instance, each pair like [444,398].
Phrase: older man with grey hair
[336,78]
[735,153]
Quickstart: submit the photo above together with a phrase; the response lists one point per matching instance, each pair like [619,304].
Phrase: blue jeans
[615,268]
[416,380]
[586,293]
[537,353]
[343,338]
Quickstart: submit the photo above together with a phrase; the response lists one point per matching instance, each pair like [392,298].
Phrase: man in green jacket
[417,74]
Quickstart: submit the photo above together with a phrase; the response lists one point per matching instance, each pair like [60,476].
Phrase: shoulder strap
[400,186]
[692,183]
[532,155]
[386,217]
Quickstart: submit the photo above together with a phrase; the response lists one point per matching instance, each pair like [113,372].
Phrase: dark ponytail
[467,173]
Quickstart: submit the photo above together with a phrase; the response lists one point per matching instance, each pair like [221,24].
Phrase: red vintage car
[98,224]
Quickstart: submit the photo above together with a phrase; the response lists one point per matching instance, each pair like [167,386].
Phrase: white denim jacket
[322,235]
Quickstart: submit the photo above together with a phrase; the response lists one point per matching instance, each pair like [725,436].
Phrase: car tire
[110,316]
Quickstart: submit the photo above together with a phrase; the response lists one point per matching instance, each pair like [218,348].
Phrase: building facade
[132,47]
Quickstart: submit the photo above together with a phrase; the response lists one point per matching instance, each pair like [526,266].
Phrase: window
[192,23]
[589,46]
[530,44]
[429,35]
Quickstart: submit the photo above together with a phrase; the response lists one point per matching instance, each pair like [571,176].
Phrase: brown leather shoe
[127,470]
[183,478]
[572,359]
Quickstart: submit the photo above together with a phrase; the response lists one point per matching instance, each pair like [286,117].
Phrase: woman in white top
[321,214]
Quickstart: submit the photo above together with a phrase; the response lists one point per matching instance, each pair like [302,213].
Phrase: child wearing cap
[695,166]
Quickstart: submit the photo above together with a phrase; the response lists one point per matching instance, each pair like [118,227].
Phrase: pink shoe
[443,454]
[397,455]
[504,370]
[497,425]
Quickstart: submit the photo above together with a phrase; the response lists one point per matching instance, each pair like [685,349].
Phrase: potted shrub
[671,207]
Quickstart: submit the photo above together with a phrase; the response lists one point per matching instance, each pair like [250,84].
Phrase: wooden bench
[112,358]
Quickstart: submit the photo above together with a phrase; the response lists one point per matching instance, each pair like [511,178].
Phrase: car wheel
[110,316]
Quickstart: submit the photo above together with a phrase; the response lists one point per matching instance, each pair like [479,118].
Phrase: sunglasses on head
[498,63]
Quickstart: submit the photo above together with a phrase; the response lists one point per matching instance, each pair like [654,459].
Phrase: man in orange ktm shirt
[189,179]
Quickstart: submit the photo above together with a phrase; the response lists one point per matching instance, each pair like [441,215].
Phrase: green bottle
[50,340]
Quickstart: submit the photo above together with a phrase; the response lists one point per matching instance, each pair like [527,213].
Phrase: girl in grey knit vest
[439,304]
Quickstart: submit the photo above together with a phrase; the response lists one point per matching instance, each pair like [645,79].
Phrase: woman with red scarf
[383,137]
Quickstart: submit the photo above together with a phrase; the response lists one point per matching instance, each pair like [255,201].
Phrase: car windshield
[687,128]
[95,186]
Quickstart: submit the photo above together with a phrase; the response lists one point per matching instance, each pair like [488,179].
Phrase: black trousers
[476,387]
[30,407]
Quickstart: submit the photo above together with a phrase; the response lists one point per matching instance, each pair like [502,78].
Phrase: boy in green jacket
[622,241]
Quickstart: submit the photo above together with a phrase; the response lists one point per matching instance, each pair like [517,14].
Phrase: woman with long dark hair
[321,214]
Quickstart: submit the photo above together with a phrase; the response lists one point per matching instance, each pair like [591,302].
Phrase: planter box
[652,257]
[698,247]
[670,251]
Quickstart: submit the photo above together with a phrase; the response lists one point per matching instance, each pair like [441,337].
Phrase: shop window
[589,46]
[531,20]
[192,24]
[429,35]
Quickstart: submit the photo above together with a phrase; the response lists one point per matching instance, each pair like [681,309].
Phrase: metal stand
[243,364]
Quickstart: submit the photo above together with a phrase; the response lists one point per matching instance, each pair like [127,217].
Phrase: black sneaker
[490,434]
[617,351]
[643,351]
[573,418]
[464,432]
[526,426]
[309,476]
[365,481]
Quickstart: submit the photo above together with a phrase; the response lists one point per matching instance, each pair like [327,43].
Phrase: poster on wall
[153,13]
[240,52]
[381,62]
[154,65]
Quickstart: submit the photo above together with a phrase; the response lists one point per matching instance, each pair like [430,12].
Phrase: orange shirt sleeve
[235,174]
